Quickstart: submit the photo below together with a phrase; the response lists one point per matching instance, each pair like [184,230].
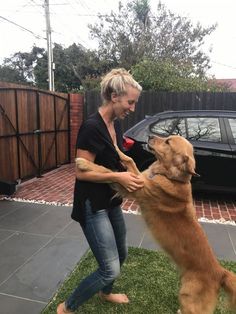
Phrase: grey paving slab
[13,305]
[7,207]
[222,238]
[4,203]
[16,250]
[5,234]
[42,275]
[13,205]
[231,230]
[22,216]
[149,243]
[72,230]
[136,229]
[50,222]
[219,240]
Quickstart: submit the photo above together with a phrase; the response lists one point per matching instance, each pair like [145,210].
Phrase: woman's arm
[128,180]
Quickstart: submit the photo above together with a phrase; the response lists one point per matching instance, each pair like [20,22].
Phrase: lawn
[148,277]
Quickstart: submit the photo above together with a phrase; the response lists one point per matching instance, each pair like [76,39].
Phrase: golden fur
[167,207]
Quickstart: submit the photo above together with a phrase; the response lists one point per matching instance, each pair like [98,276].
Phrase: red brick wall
[76,118]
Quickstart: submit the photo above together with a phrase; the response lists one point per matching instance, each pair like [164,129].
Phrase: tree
[76,68]
[41,71]
[135,33]
[24,62]
[9,74]
[167,76]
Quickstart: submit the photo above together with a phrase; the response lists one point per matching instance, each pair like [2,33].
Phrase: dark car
[212,134]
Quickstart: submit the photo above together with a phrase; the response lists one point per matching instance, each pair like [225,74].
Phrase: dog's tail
[228,283]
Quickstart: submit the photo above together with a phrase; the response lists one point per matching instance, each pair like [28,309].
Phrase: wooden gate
[34,132]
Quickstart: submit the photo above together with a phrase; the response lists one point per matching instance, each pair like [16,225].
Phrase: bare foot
[114,297]
[62,310]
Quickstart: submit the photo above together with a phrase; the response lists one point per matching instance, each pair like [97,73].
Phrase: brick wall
[76,118]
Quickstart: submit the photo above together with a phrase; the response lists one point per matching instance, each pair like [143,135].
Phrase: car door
[230,125]
[212,151]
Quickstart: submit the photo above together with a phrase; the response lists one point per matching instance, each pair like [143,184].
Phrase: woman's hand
[130,181]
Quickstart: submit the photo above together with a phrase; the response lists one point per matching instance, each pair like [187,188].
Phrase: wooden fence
[34,132]
[153,102]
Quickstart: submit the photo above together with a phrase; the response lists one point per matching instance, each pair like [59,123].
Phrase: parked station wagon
[212,134]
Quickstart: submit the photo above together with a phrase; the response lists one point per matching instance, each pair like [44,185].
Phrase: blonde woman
[95,207]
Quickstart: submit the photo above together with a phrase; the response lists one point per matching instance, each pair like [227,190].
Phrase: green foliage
[168,76]
[91,82]
[136,33]
[149,278]
[41,71]
[24,63]
[76,68]
[65,76]
[9,74]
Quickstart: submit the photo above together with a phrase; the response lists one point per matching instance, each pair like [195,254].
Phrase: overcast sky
[69,19]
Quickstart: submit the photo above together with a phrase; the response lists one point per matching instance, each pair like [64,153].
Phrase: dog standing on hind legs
[167,207]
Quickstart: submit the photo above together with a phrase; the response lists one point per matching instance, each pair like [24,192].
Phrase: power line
[22,27]
[71,31]
[84,5]
[81,15]
[34,3]
[73,7]
[225,65]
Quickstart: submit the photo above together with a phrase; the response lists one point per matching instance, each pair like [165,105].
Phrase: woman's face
[123,105]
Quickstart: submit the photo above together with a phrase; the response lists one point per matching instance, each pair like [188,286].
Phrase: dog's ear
[190,166]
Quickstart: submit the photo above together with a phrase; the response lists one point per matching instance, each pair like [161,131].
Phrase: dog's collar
[152,175]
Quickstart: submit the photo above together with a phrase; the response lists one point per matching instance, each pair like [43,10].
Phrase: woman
[95,207]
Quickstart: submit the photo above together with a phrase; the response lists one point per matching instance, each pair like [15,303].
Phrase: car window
[169,126]
[232,123]
[204,129]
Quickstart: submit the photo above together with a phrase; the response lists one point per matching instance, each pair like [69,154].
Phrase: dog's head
[175,157]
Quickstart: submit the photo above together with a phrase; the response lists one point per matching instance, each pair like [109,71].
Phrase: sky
[23,25]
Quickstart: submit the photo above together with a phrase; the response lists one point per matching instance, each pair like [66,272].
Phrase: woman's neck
[107,114]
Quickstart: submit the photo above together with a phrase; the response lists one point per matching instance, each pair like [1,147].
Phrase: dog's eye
[167,141]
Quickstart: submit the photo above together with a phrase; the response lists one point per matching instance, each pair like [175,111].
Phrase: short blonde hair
[116,81]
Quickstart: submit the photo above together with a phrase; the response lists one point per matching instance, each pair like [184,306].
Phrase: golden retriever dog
[167,207]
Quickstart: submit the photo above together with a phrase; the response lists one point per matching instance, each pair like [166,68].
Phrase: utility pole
[51,65]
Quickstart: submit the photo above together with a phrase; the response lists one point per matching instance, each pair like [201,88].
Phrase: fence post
[76,118]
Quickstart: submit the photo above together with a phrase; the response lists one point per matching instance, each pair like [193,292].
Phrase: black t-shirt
[93,136]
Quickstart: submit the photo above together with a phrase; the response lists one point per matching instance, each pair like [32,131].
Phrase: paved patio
[56,187]
[40,244]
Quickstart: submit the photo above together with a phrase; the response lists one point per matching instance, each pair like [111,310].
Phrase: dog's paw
[82,164]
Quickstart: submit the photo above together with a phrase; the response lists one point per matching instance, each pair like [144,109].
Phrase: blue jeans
[105,232]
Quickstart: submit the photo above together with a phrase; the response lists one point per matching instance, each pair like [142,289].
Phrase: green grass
[149,279]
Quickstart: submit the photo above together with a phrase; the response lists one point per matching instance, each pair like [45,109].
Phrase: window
[199,128]
[204,129]
[169,126]
[232,123]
